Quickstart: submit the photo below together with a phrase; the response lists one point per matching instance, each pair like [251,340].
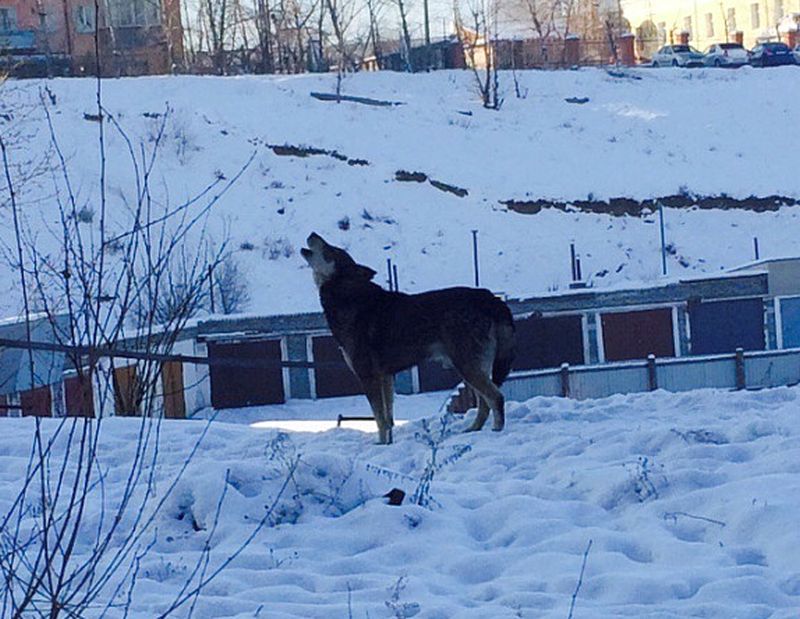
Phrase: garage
[548,342]
[333,377]
[254,376]
[635,335]
[723,326]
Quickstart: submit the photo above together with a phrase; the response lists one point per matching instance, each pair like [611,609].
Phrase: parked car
[797,54]
[771,55]
[725,55]
[677,56]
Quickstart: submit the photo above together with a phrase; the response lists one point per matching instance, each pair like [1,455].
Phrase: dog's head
[329,262]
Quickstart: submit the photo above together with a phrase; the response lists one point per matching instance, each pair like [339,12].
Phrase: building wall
[67,27]
[708,21]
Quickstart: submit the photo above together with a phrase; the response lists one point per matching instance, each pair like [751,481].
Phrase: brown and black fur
[382,332]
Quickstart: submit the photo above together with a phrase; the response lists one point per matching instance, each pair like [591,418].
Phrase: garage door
[37,402]
[78,396]
[242,385]
[790,322]
[723,326]
[635,335]
[548,342]
[333,377]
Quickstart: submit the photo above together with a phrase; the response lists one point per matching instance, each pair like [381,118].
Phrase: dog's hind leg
[489,396]
[388,404]
[483,413]
[373,388]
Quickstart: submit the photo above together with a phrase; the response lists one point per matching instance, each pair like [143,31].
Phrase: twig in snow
[580,580]
[674,517]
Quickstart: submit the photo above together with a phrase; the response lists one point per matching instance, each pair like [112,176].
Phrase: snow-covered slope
[647,134]
[690,503]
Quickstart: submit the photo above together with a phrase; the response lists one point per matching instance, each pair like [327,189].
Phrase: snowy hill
[689,501]
[645,135]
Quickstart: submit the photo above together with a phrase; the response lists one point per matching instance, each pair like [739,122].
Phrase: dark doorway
[242,385]
[635,335]
[548,342]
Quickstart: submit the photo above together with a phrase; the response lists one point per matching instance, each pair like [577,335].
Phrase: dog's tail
[504,353]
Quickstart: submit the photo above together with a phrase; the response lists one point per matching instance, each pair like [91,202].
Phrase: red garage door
[333,377]
[635,335]
[38,402]
[235,386]
[78,396]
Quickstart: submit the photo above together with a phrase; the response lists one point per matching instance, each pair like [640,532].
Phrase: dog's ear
[362,272]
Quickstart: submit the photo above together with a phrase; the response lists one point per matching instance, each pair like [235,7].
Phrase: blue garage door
[790,322]
[548,342]
[723,326]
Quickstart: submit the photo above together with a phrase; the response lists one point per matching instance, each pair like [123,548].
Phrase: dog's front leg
[373,388]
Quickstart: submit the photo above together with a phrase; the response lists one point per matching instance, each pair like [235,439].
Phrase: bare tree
[375,8]
[342,15]
[402,8]
[54,561]
[230,286]
[479,41]
[213,18]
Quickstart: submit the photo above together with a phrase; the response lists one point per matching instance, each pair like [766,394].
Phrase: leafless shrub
[230,284]
[54,560]
[275,248]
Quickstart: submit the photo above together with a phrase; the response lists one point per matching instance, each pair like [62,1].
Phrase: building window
[731,20]
[755,16]
[709,25]
[8,19]
[135,13]
[84,18]
[687,24]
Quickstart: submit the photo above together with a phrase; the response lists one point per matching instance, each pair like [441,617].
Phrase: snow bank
[646,134]
[690,502]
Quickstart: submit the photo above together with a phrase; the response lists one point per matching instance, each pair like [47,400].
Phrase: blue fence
[740,370]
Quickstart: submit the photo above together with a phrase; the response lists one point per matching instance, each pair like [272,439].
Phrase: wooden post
[565,380]
[652,378]
[740,375]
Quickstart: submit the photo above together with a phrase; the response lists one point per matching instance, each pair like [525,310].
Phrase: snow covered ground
[689,501]
[644,135]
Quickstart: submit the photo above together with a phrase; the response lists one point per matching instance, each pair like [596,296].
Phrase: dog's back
[461,325]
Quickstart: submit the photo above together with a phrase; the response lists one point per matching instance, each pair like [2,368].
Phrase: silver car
[677,56]
[725,55]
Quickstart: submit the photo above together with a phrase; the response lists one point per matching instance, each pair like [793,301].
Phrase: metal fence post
[565,380]
[740,376]
[652,378]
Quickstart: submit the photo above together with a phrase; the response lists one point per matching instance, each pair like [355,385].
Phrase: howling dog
[382,332]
